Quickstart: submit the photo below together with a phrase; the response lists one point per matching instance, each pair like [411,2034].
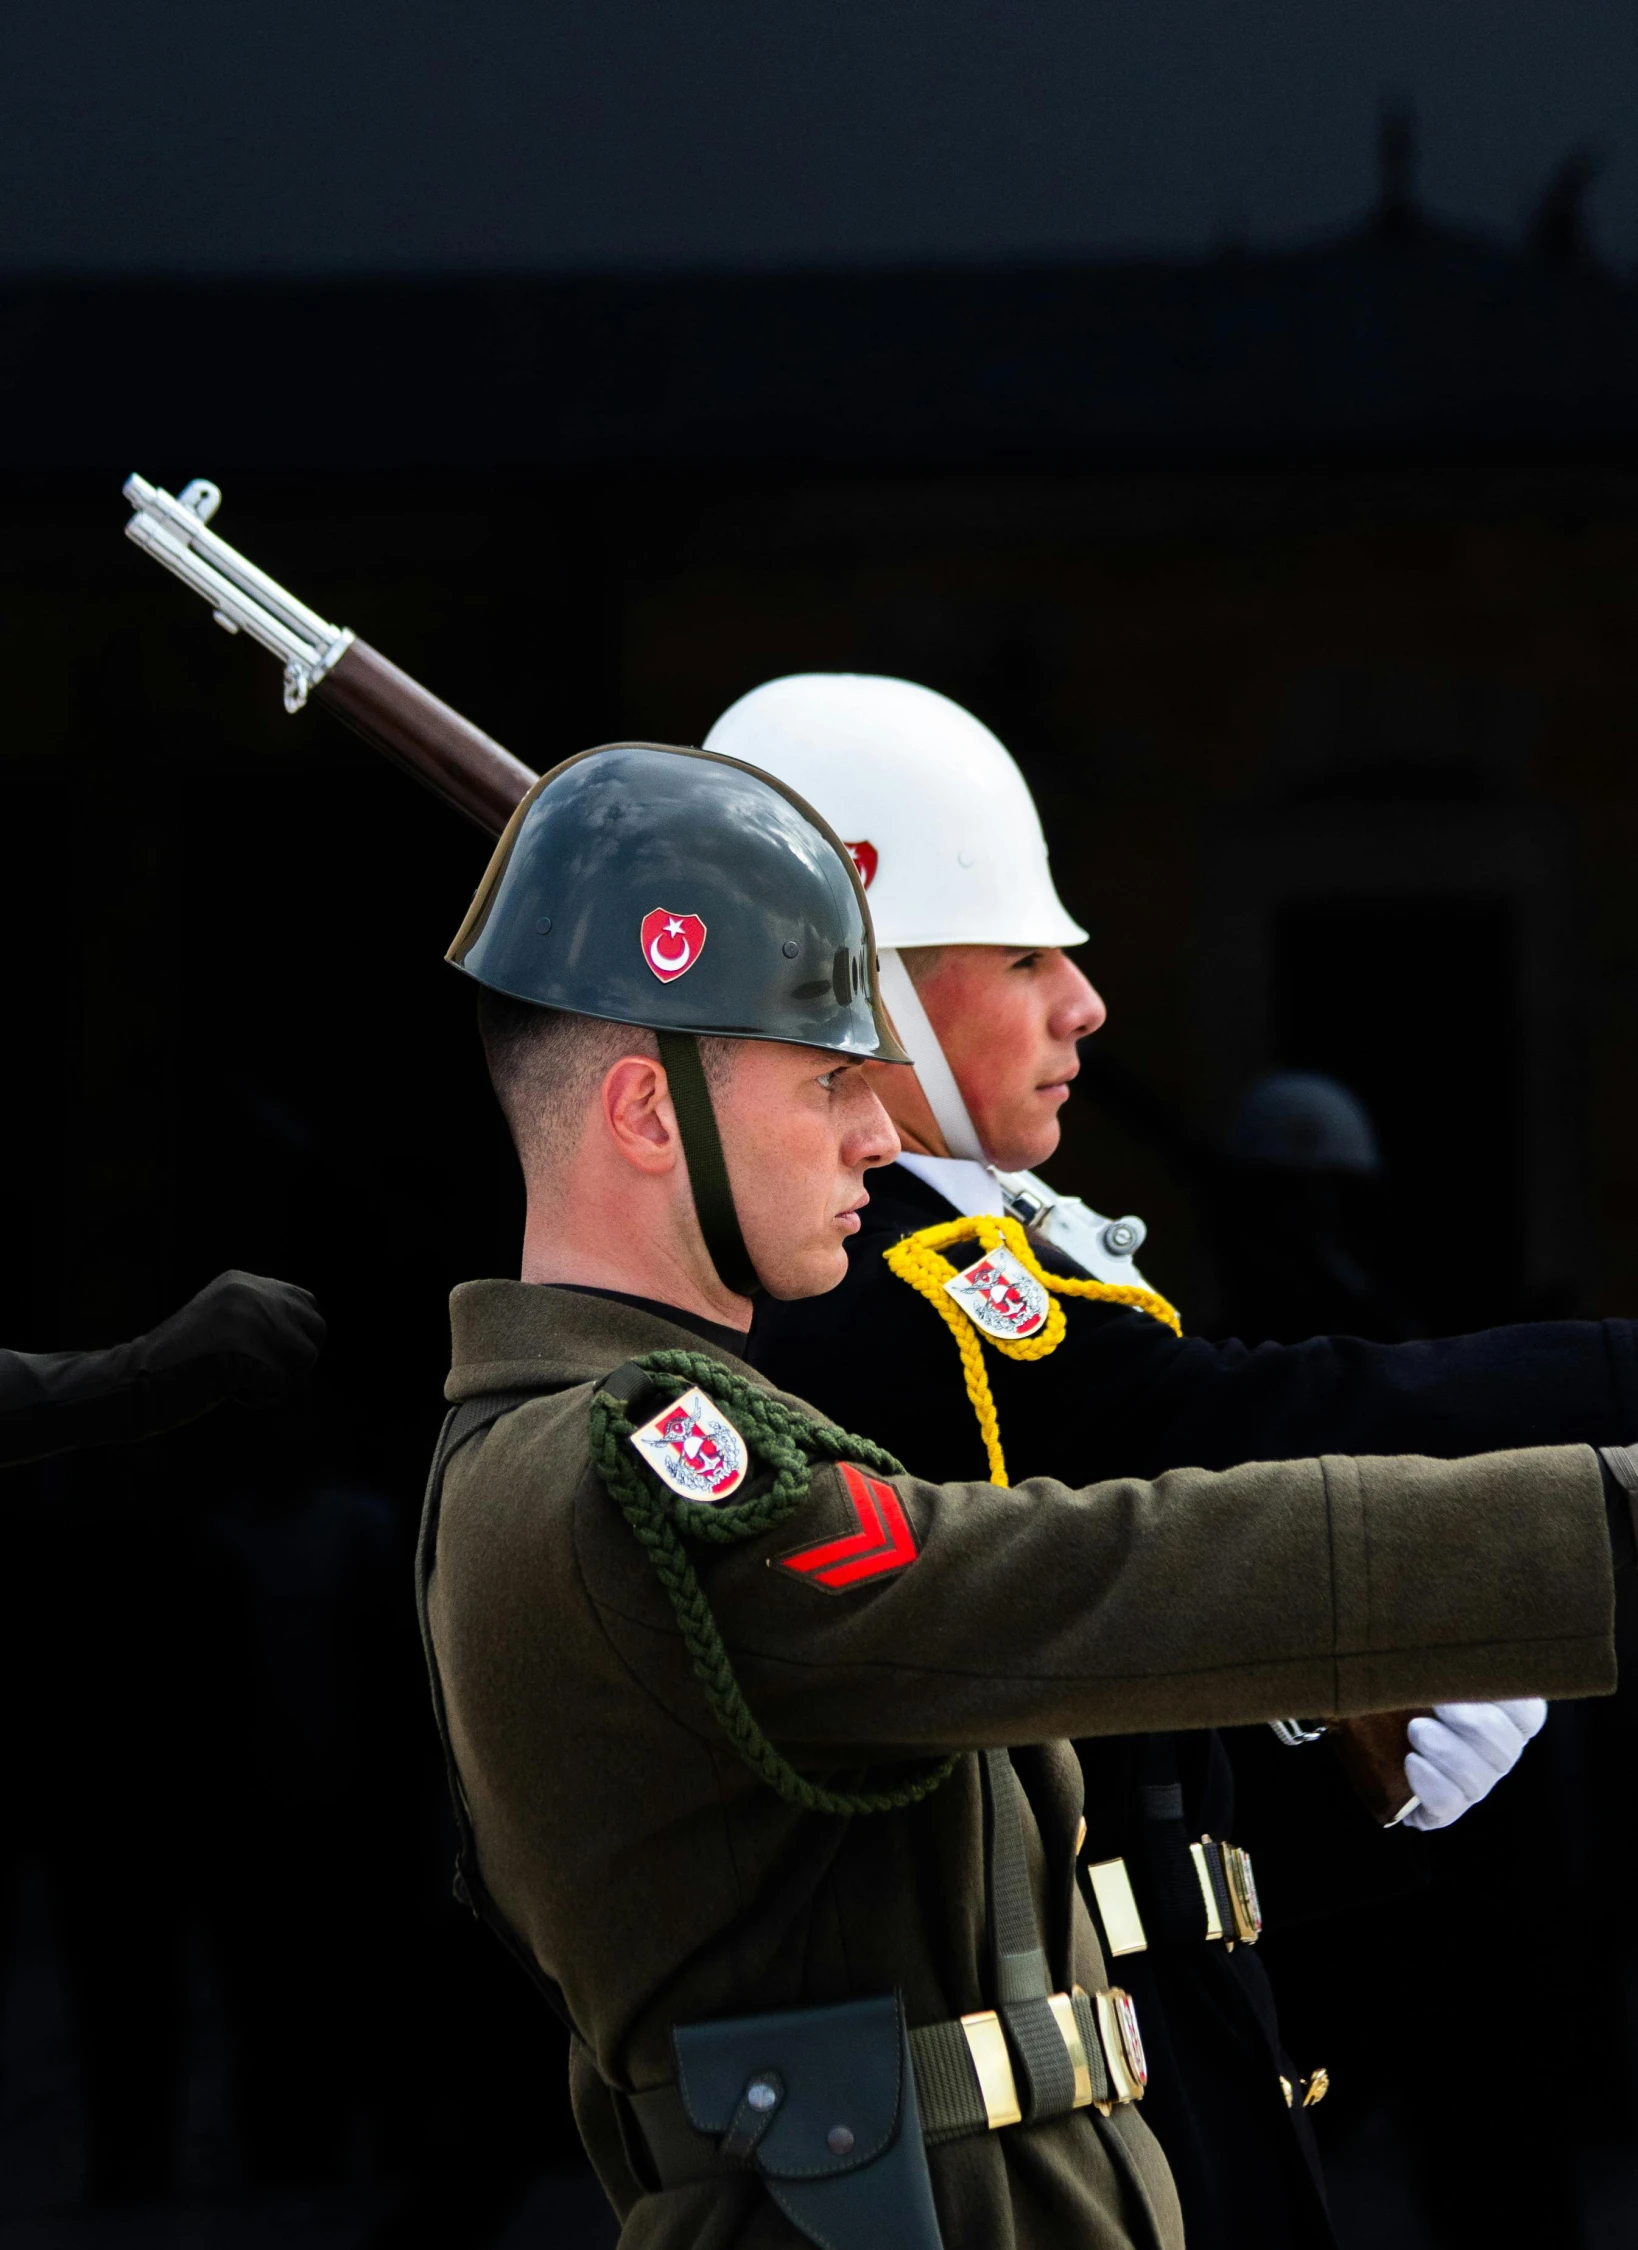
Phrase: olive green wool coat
[659,1882]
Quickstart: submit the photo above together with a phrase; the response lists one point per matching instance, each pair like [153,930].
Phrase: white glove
[1460,1754]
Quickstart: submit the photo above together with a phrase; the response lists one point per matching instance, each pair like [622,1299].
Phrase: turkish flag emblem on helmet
[672,943]
[865,858]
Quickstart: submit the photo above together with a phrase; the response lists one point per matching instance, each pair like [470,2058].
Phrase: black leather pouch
[820,2103]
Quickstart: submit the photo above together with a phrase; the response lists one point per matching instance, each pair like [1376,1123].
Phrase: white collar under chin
[967,1187]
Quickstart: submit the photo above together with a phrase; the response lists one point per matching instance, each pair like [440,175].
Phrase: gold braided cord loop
[917,1263]
[919,1260]
[994,1233]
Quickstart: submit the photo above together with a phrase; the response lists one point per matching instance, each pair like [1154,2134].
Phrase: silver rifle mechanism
[243,599]
[1103,1248]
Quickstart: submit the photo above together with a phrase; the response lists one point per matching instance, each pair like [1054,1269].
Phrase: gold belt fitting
[1122,2044]
[1239,1886]
[1116,2019]
[1208,1889]
[1242,1887]
[987,2045]
[1118,1908]
[1315,2087]
[1063,2015]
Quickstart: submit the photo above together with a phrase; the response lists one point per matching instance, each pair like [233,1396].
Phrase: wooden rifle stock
[448,753]
[1373,1752]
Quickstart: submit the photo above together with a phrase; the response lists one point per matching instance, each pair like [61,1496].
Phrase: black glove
[243,1337]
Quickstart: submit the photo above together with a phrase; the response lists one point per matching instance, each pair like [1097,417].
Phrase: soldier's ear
[635,1103]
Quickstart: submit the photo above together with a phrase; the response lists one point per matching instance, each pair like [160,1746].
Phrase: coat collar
[515,1335]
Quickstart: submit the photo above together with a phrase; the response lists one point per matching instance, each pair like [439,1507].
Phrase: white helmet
[936,814]
[930,804]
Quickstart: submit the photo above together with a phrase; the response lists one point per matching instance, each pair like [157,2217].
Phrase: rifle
[328,663]
[331,665]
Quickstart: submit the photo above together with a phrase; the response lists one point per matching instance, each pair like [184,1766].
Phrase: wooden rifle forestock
[1373,1751]
[448,753]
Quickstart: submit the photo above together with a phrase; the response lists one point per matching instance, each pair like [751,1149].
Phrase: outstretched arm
[243,1336]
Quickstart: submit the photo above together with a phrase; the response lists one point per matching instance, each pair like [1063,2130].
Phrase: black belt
[1176,1889]
[966,2083]
[1187,1894]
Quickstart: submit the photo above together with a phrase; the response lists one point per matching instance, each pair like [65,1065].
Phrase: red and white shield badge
[672,943]
[865,858]
[1001,1297]
[694,1448]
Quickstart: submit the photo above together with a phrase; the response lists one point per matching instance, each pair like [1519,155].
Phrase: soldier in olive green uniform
[729,1697]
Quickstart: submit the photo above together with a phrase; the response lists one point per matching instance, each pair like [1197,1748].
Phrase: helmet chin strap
[707,1166]
[918,1037]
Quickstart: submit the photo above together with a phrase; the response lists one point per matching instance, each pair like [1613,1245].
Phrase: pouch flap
[843,2073]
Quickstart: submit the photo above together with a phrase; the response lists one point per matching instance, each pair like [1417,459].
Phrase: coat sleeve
[1330,1586]
[50,1401]
[1123,1396]
[1162,1401]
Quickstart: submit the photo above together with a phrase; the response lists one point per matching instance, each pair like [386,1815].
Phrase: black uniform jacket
[1123,1396]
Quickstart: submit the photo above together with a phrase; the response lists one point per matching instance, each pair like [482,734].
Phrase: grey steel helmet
[692,895]
[1304,1122]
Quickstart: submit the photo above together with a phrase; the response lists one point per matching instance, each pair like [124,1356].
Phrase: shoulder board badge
[693,1447]
[882,1543]
[1001,1297]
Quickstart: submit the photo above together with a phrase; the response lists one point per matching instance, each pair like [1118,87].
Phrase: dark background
[1239,411]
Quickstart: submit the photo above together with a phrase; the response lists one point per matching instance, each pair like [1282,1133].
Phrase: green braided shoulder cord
[789,1443]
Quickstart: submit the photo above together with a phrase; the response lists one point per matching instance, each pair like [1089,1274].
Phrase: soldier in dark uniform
[729,1697]
[243,1337]
[991,1007]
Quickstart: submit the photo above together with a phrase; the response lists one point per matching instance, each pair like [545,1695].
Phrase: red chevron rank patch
[883,1542]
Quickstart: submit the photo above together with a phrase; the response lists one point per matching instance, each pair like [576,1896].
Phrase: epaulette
[1005,1298]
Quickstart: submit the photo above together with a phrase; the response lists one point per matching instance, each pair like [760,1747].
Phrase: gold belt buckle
[987,2045]
[1122,2043]
[1118,2034]
[1242,1885]
[1239,1886]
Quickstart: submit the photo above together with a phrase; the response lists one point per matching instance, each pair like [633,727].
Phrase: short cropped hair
[545,1066]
